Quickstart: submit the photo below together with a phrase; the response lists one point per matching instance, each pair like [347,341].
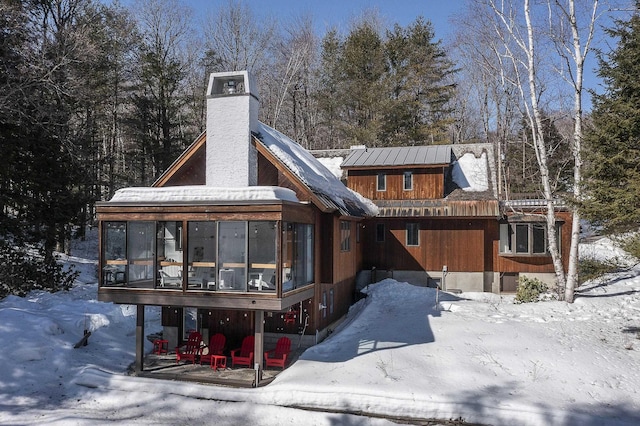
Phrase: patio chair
[167,280]
[191,350]
[278,357]
[216,346]
[244,354]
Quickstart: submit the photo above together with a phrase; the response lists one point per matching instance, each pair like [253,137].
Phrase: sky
[403,351]
[339,13]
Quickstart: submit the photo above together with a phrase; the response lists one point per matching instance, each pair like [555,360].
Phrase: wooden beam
[259,344]
[139,365]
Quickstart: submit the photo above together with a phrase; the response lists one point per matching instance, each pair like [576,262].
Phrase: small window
[345,235]
[408,181]
[382,182]
[331,300]
[324,304]
[380,232]
[413,234]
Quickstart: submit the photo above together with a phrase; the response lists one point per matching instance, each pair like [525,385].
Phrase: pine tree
[612,178]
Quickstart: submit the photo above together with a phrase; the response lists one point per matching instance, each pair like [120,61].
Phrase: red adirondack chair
[278,357]
[191,349]
[244,354]
[216,346]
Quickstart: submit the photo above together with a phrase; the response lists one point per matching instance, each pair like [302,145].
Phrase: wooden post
[139,365]
[258,351]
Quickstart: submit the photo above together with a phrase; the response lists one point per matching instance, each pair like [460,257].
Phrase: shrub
[591,269]
[530,289]
[630,243]
[22,271]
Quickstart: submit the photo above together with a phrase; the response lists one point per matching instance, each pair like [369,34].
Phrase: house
[442,221]
[246,233]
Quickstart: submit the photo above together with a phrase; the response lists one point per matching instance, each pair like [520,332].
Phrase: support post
[258,350]
[139,365]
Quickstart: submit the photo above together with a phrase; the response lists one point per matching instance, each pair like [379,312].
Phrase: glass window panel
[262,256]
[308,254]
[382,182]
[505,238]
[522,238]
[201,255]
[345,235]
[539,239]
[413,234]
[232,259]
[380,231]
[114,244]
[287,256]
[170,264]
[140,254]
[408,181]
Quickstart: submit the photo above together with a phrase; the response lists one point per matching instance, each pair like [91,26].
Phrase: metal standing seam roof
[398,156]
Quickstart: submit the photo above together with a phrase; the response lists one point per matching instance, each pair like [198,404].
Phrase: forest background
[96,96]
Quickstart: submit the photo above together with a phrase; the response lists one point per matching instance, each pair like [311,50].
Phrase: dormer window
[382,182]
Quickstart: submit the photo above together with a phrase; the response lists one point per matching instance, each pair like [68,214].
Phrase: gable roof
[310,172]
[327,190]
[399,156]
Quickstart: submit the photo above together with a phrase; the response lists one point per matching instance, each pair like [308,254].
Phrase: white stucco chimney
[232,114]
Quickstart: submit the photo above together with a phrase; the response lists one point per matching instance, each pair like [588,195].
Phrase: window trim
[412,227]
[381,182]
[409,174]
[345,236]
[508,238]
[381,226]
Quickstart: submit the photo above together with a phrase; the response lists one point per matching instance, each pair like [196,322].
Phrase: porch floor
[165,367]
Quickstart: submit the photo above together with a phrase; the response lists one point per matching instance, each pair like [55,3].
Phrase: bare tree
[523,40]
[235,40]
[573,42]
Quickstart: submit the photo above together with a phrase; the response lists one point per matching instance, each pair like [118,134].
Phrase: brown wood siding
[267,172]
[192,172]
[460,244]
[427,184]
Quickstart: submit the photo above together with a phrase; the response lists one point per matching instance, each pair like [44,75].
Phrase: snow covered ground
[476,357]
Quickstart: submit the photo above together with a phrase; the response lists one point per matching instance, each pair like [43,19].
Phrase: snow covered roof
[202,193]
[312,173]
[471,173]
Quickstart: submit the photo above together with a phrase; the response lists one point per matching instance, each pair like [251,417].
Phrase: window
[324,304]
[345,235]
[201,258]
[525,238]
[331,301]
[297,255]
[408,181]
[262,256]
[380,232]
[413,234]
[232,258]
[382,182]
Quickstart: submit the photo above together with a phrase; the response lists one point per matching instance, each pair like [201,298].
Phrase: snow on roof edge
[195,193]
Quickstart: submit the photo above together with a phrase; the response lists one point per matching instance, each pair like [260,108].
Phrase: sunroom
[207,247]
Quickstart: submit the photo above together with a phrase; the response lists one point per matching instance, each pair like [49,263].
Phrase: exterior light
[231,87]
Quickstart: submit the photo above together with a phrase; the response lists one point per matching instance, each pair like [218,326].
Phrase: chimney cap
[231,83]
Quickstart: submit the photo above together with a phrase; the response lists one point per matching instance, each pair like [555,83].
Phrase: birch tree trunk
[574,53]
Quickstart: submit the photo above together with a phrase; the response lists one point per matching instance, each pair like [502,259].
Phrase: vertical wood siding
[427,184]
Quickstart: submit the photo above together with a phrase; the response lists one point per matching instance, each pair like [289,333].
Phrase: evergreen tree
[419,80]
[612,178]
